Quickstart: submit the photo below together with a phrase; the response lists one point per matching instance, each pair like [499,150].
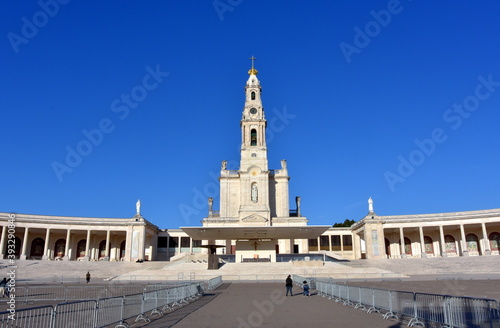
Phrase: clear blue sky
[350,86]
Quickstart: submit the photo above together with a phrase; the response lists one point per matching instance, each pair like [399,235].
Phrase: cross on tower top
[253,60]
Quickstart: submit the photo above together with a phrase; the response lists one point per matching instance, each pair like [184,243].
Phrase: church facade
[254,222]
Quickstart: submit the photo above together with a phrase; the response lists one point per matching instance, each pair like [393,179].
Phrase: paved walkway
[242,305]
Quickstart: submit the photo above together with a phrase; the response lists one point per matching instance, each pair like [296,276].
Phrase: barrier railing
[40,316]
[214,283]
[103,312]
[77,293]
[421,309]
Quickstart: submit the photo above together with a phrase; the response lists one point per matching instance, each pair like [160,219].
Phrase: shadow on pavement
[171,318]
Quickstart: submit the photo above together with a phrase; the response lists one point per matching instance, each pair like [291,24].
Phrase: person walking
[306,288]
[87,277]
[289,285]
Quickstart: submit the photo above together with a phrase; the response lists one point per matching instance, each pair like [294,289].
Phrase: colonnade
[55,243]
[454,239]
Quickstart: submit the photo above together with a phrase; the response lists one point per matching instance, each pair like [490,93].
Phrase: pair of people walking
[289,286]
[4,287]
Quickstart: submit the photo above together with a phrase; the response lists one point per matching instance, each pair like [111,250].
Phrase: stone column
[67,251]
[289,246]
[402,242]
[128,246]
[330,242]
[46,246]
[142,243]
[2,242]
[168,247]
[443,245]
[486,248]
[25,243]
[228,246]
[356,245]
[153,254]
[463,242]
[342,244]
[319,244]
[190,245]
[178,251]
[87,247]
[108,233]
[422,242]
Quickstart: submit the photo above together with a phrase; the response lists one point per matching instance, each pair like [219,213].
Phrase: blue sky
[398,101]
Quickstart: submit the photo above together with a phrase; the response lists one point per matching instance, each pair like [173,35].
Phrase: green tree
[346,223]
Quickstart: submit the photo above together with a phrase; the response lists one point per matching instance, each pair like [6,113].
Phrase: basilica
[254,222]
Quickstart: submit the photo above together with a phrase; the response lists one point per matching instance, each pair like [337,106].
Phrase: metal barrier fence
[40,316]
[214,283]
[420,308]
[299,280]
[77,293]
[99,313]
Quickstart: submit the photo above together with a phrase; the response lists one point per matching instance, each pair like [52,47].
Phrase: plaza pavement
[243,305]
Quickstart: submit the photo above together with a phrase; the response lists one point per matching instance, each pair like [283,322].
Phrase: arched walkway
[494,238]
[472,243]
[428,244]
[37,246]
[60,248]
[450,245]
[122,250]
[17,248]
[80,248]
[102,249]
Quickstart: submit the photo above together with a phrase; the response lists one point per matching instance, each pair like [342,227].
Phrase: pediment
[254,218]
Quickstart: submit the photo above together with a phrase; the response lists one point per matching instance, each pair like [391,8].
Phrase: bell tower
[254,206]
[253,125]
[254,195]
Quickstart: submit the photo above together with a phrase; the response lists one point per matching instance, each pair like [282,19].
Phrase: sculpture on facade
[370,205]
[297,202]
[283,164]
[138,207]
[255,193]
[223,165]
[210,205]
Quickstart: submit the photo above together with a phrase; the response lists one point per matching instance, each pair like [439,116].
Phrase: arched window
[472,242]
[60,248]
[37,246]
[494,238]
[80,248]
[253,95]
[429,248]
[450,245]
[253,137]
[102,249]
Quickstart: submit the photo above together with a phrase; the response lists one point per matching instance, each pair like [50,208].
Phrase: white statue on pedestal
[370,205]
[138,207]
